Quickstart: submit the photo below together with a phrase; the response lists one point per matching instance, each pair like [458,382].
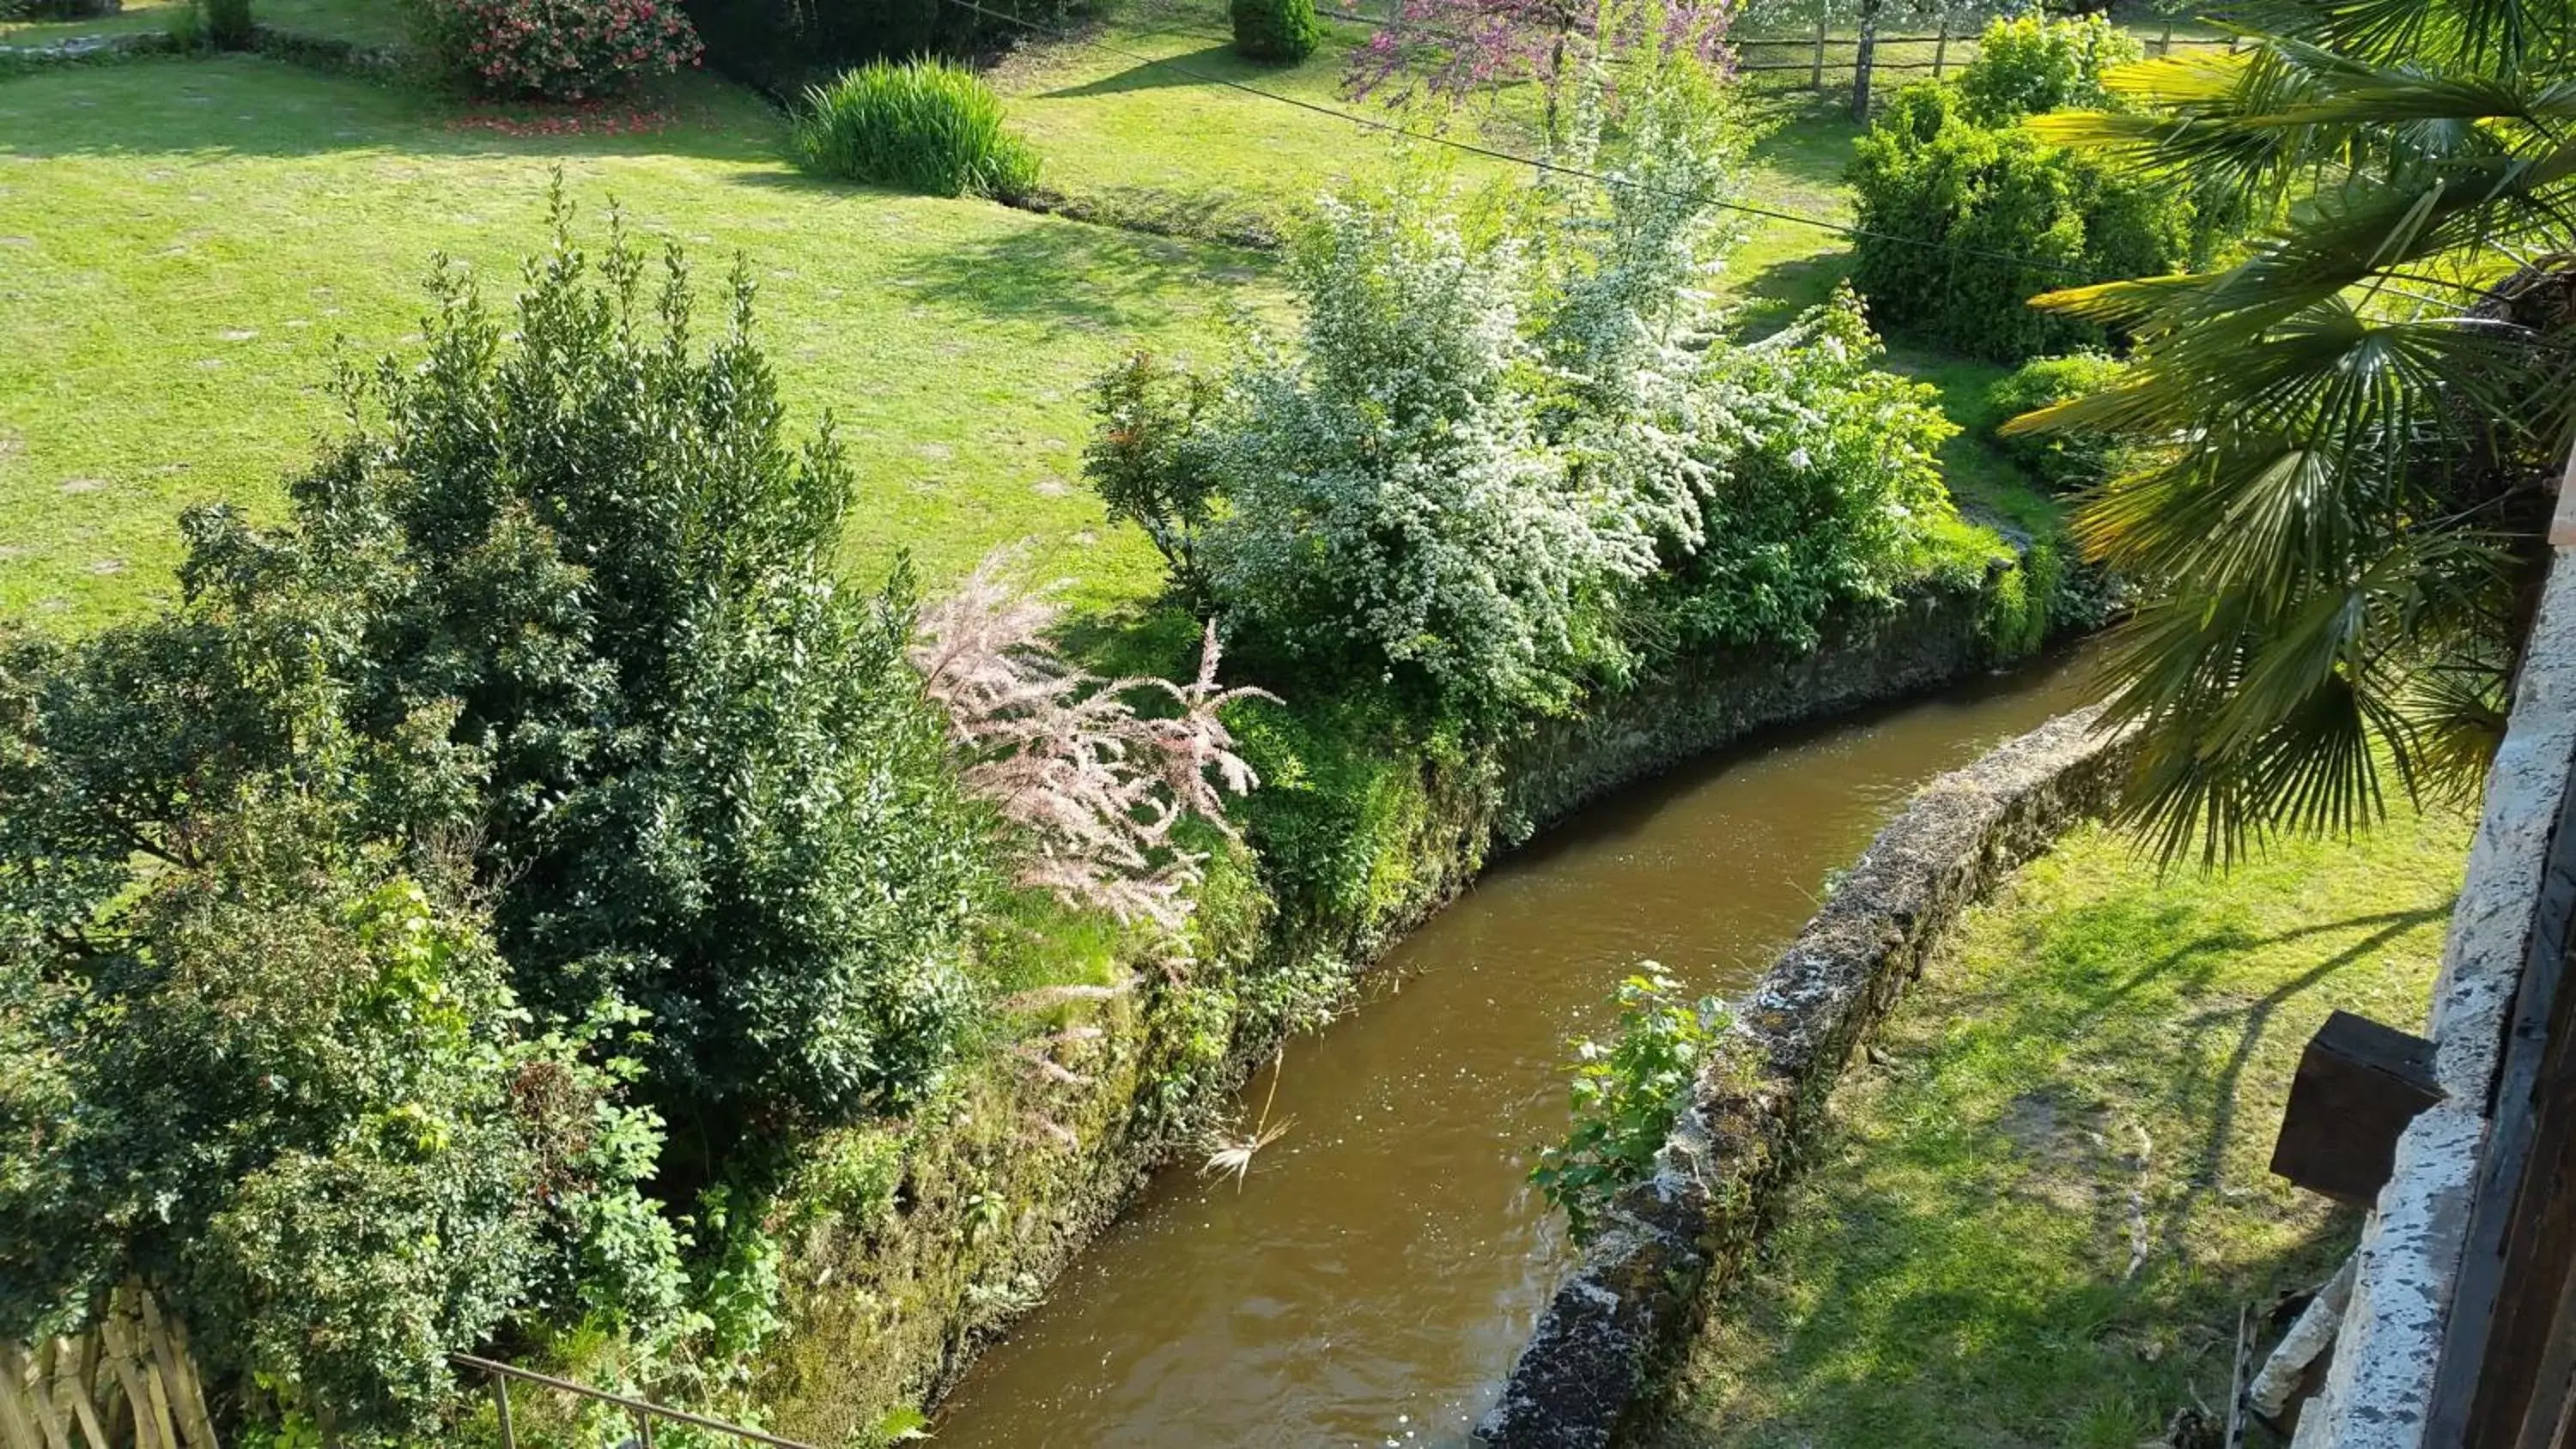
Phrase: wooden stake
[1816,78]
[501,1404]
[72,1371]
[1941,45]
[17,1427]
[41,1394]
[150,1430]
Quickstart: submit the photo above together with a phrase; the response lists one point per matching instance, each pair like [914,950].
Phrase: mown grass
[2101,1042]
[183,242]
[209,229]
[361,22]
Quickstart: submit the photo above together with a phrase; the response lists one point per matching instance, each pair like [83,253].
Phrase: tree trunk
[1862,57]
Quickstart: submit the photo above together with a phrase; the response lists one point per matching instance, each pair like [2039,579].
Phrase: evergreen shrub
[1962,223]
[1276,30]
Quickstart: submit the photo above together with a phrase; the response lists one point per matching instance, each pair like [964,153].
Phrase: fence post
[1941,45]
[2164,44]
[1816,77]
[501,1405]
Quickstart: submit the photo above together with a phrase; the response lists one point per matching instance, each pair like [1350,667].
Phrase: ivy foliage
[366,914]
[270,1064]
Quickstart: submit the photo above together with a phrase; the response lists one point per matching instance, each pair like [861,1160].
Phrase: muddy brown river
[1371,1281]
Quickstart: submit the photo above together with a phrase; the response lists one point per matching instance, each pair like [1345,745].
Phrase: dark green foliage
[1826,466]
[226,24]
[713,782]
[258,1062]
[2059,462]
[1963,223]
[784,46]
[1280,30]
[926,125]
[538,762]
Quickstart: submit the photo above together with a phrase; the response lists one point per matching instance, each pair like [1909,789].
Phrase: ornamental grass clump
[924,125]
[1088,787]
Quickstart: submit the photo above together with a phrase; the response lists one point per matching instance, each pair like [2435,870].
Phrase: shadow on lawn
[1210,63]
[1913,1332]
[1071,276]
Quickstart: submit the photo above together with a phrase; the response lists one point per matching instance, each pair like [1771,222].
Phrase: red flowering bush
[562,50]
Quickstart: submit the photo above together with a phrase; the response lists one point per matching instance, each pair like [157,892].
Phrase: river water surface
[1371,1281]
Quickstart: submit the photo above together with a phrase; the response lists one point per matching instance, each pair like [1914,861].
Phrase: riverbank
[912,1248]
[2040,1201]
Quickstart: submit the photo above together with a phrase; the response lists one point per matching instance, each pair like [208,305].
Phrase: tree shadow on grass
[1214,63]
[1914,1321]
[1072,276]
[2212,1048]
[1776,295]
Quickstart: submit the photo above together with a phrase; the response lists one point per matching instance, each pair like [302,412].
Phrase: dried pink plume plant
[1089,785]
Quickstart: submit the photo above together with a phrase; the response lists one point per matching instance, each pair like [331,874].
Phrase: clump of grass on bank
[925,125]
[2092,1076]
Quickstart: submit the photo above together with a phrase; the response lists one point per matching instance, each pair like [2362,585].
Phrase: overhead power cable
[1534,162]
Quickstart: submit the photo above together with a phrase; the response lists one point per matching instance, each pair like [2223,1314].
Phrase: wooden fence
[127,1383]
[1760,54]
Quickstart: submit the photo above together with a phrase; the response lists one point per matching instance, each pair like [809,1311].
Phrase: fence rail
[1818,66]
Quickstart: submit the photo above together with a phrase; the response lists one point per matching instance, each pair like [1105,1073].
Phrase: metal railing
[645,1412]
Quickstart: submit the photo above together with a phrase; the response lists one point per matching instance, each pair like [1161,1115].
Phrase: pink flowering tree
[1088,775]
[1453,48]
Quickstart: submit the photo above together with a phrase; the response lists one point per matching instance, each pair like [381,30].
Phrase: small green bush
[2034,64]
[1280,30]
[2059,462]
[927,125]
[1964,222]
[1626,1095]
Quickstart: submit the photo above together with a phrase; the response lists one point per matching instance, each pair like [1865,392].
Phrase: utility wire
[1534,162]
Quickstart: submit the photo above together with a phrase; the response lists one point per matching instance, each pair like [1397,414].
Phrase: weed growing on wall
[1625,1095]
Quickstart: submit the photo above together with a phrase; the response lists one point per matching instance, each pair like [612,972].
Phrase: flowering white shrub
[1496,440]
[1394,511]
[1090,787]
[1630,317]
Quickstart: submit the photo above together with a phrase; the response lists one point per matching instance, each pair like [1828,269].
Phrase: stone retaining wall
[1597,1363]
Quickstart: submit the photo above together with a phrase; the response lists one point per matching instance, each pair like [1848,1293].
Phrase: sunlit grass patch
[2091,1079]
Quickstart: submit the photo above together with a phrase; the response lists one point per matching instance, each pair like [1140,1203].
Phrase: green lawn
[364,22]
[1155,142]
[2097,1069]
[185,240]
[209,229]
